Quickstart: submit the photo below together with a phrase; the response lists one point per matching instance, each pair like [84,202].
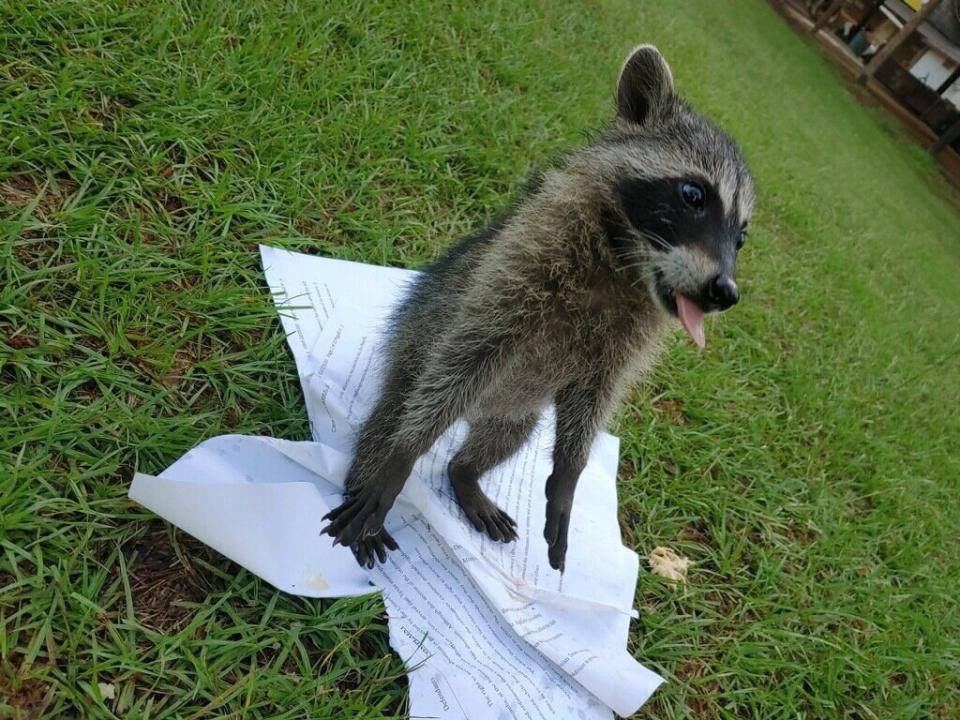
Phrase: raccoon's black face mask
[684,220]
[686,200]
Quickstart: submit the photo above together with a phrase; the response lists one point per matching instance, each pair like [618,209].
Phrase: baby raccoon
[565,300]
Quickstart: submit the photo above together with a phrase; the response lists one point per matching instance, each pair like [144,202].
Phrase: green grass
[807,462]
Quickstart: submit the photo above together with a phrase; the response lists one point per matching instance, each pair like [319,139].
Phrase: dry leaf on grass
[667,564]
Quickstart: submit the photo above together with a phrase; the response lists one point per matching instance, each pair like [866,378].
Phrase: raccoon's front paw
[358,518]
[480,510]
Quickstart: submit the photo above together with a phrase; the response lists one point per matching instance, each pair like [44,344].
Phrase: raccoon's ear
[645,87]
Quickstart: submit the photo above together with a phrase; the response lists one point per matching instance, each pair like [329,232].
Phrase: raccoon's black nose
[723,292]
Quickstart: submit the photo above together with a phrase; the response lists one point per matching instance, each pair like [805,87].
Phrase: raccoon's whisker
[640,262]
[647,273]
[630,266]
[628,254]
[643,274]
[631,258]
[644,277]
[657,240]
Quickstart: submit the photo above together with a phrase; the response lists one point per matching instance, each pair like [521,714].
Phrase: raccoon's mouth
[682,307]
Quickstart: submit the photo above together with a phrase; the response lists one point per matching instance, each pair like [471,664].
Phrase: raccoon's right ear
[645,87]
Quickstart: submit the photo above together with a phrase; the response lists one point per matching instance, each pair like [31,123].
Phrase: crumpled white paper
[488,630]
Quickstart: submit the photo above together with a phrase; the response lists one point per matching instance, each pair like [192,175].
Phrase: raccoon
[564,300]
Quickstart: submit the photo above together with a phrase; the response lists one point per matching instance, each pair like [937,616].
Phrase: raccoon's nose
[723,292]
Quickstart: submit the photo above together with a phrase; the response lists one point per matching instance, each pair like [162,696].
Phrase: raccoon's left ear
[645,87]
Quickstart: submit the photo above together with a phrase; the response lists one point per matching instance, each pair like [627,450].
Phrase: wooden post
[896,41]
[945,85]
[825,16]
[949,135]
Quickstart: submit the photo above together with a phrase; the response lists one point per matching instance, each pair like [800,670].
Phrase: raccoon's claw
[339,517]
[359,517]
[555,533]
[373,548]
[488,518]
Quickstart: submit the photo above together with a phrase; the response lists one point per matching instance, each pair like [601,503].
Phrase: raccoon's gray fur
[564,301]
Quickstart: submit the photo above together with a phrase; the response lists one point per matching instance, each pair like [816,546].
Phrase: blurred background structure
[907,53]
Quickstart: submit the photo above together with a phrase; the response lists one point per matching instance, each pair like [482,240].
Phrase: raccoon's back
[430,306]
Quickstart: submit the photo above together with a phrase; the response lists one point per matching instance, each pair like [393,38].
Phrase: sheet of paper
[482,624]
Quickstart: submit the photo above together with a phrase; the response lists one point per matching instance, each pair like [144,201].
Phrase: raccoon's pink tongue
[691,317]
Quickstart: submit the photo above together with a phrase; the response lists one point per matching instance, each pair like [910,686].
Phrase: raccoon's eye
[742,238]
[693,195]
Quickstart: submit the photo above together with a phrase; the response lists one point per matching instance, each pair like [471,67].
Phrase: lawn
[806,462]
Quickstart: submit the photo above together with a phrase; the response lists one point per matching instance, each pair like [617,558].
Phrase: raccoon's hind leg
[489,443]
